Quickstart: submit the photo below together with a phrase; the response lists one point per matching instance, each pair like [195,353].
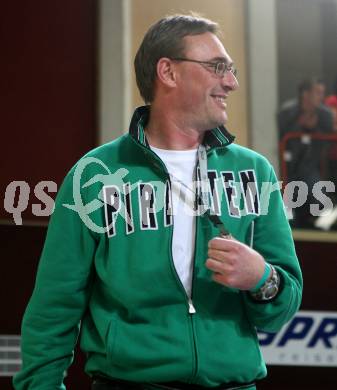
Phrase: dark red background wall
[47,98]
[47,121]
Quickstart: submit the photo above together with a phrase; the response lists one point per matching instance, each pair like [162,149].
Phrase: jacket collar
[214,138]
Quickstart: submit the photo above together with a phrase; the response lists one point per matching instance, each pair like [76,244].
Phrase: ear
[166,72]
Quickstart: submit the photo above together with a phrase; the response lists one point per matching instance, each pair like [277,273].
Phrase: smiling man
[192,260]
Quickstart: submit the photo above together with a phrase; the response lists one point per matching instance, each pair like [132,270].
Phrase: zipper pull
[191,308]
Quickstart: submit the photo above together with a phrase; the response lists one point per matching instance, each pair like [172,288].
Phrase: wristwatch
[269,289]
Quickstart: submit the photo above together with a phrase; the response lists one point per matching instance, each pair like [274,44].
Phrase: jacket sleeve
[326,120]
[287,120]
[51,322]
[273,240]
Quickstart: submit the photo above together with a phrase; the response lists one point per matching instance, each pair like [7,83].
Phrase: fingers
[219,255]
[219,266]
[224,244]
[221,273]
[223,249]
[223,254]
[222,279]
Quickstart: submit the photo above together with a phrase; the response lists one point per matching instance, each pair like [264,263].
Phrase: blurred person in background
[306,115]
[331,102]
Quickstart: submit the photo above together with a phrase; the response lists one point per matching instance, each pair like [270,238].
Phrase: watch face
[270,291]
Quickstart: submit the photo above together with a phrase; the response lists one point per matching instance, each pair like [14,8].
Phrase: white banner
[309,339]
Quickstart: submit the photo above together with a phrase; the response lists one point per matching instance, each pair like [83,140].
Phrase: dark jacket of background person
[304,155]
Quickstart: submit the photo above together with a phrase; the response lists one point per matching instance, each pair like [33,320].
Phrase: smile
[220,100]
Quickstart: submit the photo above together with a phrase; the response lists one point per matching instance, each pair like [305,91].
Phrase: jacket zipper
[190,306]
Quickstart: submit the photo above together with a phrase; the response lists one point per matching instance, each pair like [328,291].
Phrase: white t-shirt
[181,167]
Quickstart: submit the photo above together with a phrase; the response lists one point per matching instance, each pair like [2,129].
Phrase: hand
[234,264]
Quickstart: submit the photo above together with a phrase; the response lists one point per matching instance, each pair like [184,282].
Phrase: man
[170,294]
[308,112]
[303,155]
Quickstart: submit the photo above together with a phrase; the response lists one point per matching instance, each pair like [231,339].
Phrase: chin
[213,121]
[221,121]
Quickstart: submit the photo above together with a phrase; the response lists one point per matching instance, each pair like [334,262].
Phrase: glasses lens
[221,68]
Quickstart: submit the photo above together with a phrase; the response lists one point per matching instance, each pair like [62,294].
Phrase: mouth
[220,100]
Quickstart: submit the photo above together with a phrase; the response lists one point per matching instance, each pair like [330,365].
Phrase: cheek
[194,95]
[195,85]
[195,91]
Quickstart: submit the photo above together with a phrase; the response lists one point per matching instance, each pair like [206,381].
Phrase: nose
[230,81]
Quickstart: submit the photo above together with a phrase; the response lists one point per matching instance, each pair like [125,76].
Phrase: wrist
[264,277]
[269,289]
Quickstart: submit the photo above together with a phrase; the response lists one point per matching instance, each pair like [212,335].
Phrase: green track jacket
[107,270]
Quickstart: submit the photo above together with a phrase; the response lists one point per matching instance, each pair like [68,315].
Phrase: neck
[165,132]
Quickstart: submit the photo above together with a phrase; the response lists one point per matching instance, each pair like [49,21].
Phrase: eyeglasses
[220,68]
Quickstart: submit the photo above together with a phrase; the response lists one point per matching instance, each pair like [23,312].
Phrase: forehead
[205,46]
[317,87]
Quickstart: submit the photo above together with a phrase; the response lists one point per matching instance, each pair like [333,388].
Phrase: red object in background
[299,135]
[331,101]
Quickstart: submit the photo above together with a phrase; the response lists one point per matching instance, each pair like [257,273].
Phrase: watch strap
[269,289]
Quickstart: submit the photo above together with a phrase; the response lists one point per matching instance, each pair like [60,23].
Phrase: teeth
[221,100]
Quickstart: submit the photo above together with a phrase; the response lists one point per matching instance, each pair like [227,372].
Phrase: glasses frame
[220,67]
